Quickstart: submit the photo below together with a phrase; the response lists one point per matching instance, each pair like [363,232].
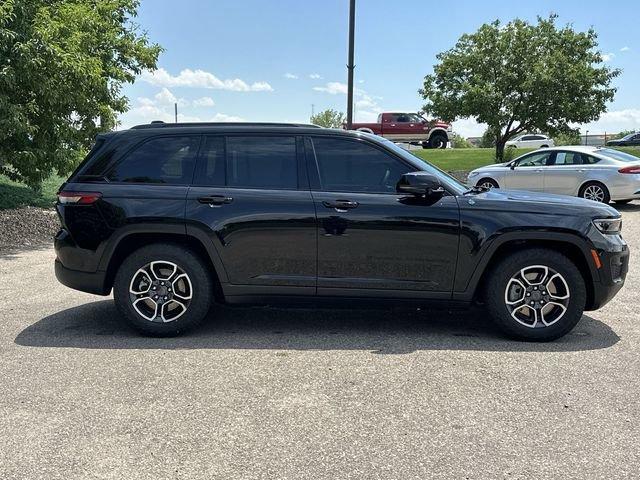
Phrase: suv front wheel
[536,295]
[163,290]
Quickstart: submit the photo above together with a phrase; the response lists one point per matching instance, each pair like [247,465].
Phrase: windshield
[628,137]
[618,155]
[451,182]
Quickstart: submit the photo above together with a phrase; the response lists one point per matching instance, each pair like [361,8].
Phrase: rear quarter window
[166,160]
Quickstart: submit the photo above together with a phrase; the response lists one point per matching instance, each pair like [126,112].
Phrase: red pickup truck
[408,127]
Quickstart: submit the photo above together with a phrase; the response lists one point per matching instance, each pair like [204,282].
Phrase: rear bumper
[612,276]
[90,282]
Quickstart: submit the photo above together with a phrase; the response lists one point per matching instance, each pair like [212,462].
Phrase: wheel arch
[366,130]
[438,131]
[135,240]
[569,245]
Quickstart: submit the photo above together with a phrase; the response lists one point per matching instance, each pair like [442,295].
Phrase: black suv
[177,217]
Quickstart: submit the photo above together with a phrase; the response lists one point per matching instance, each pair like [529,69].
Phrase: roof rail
[161,124]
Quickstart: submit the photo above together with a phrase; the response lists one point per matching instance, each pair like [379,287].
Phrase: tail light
[78,198]
[631,169]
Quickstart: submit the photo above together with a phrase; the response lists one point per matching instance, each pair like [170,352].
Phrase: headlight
[609,226]
[473,174]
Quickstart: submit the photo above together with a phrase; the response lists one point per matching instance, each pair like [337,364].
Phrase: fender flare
[573,239]
[179,229]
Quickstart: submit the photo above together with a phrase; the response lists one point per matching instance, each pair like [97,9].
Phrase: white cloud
[625,49]
[201,79]
[315,76]
[165,96]
[468,127]
[221,117]
[204,102]
[607,57]
[333,88]
[291,76]
[615,121]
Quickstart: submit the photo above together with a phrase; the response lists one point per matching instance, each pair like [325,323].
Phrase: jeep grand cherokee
[175,218]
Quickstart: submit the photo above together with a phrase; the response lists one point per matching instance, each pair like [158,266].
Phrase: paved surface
[260,393]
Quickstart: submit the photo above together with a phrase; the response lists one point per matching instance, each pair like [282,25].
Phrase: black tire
[544,146]
[438,140]
[488,180]
[198,274]
[622,202]
[606,198]
[498,280]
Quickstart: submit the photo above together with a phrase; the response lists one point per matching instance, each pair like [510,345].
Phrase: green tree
[571,137]
[521,77]
[458,141]
[62,67]
[328,118]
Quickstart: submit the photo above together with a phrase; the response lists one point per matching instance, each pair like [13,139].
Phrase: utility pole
[175,108]
[312,110]
[350,65]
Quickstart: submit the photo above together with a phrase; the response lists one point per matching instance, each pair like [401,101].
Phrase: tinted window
[167,160]
[352,166]
[262,162]
[403,118]
[534,160]
[211,165]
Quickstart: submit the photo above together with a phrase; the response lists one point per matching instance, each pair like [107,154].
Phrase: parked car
[633,139]
[176,217]
[408,127]
[594,173]
[530,141]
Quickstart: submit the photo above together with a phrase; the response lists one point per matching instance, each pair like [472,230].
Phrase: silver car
[595,173]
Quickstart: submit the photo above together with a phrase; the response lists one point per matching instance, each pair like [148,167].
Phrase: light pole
[350,65]
[586,137]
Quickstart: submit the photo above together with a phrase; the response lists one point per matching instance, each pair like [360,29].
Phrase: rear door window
[166,160]
[268,162]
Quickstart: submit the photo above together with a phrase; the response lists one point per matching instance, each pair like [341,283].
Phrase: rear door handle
[213,200]
[341,205]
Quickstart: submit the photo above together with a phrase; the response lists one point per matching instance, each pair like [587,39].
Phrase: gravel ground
[27,227]
[297,394]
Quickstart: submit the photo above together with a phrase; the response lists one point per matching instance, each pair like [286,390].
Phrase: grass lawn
[451,159]
[14,195]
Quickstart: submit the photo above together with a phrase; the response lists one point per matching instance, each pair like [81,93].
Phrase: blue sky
[265,60]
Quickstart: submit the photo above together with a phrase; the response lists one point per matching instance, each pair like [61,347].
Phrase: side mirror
[420,184]
[512,165]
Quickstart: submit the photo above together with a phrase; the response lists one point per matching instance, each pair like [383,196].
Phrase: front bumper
[613,272]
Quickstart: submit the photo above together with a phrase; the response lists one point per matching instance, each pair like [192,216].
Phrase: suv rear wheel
[536,295]
[163,289]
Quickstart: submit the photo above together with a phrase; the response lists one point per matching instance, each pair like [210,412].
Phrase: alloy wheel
[594,192]
[160,291]
[487,185]
[537,296]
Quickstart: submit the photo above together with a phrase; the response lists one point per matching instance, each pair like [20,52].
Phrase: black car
[175,218]
[630,140]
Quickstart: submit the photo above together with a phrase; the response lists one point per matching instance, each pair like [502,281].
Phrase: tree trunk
[500,149]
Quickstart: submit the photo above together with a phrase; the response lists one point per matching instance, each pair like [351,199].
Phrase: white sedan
[530,140]
[595,173]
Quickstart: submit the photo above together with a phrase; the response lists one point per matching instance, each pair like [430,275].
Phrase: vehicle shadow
[392,331]
[629,207]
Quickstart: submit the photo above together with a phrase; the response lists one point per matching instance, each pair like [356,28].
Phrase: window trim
[315,179]
[198,172]
[116,161]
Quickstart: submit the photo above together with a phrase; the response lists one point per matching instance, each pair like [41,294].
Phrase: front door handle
[213,200]
[341,205]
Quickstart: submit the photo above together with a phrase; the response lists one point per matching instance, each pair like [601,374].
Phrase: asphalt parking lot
[292,394]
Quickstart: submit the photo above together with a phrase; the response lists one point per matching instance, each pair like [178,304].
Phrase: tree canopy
[62,67]
[521,77]
[328,118]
